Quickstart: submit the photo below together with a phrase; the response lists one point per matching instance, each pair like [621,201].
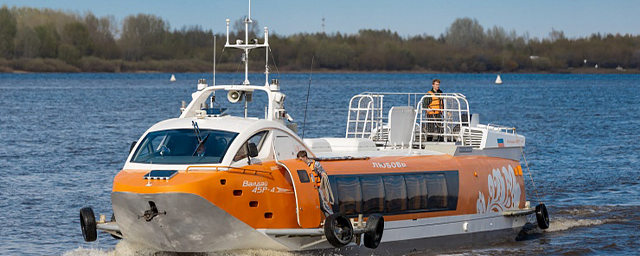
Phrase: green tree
[27,43]
[101,31]
[49,40]
[69,54]
[8,31]
[142,35]
[77,35]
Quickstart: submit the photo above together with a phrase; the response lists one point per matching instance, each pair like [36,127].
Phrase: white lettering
[389,165]
[247,183]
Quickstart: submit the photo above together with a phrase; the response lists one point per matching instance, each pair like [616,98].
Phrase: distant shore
[96,65]
[568,71]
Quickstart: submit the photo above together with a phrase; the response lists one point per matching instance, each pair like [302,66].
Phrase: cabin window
[372,194]
[180,146]
[395,193]
[349,194]
[437,191]
[417,192]
[257,139]
[304,176]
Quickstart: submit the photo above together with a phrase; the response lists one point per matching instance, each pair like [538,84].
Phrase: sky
[407,17]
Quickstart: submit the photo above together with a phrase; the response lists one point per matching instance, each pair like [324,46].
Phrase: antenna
[304,123]
[214,60]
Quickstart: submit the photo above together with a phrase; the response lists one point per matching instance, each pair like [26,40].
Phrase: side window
[416,191]
[392,193]
[437,185]
[257,139]
[349,195]
[372,194]
[396,193]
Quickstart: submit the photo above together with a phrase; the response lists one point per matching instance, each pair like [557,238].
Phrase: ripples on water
[65,136]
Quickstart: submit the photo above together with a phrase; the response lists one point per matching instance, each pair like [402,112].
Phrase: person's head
[435,84]
[302,156]
[200,149]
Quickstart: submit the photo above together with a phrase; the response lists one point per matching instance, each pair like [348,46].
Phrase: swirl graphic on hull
[504,192]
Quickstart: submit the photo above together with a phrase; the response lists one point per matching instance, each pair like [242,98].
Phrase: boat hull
[188,223]
[185,223]
[436,243]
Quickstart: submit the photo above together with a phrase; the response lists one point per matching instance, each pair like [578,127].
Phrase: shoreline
[577,71]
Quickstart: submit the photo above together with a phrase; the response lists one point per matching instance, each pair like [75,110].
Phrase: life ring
[373,235]
[338,230]
[88,224]
[542,216]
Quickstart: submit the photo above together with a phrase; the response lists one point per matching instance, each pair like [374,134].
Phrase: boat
[404,176]
[498,80]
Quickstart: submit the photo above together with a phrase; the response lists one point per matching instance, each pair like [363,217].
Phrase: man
[434,103]
[322,178]
[433,106]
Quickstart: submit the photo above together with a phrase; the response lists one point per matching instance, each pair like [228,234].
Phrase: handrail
[505,129]
[374,126]
[224,168]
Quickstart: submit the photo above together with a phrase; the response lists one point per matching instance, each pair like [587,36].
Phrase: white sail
[498,80]
[173,78]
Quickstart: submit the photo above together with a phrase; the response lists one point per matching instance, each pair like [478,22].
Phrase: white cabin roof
[225,123]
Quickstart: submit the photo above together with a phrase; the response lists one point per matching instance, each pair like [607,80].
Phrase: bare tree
[464,32]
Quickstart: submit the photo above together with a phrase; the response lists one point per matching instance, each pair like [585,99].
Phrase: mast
[276,98]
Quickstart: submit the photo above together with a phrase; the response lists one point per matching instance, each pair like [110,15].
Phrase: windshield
[181,147]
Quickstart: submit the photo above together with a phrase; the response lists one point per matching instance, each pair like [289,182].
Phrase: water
[65,136]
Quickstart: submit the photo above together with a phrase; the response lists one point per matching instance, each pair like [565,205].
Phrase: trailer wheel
[88,224]
[542,216]
[338,230]
[373,235]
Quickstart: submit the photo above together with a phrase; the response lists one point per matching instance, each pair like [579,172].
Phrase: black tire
[542,216]
[338,230]
[88,224]
[373,235]
[113,219]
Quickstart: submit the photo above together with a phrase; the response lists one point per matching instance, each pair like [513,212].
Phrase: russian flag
[500,143]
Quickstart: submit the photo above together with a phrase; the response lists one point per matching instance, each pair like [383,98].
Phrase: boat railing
[443,123]
[368,117]
[499,128]
[365,116]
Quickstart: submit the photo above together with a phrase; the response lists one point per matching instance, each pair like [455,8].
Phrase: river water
[63,137]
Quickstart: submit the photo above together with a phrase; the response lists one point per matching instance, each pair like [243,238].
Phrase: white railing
[368,118]
[447,125]
[365,115]
[499,128]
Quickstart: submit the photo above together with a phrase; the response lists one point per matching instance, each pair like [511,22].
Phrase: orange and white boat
[403,177]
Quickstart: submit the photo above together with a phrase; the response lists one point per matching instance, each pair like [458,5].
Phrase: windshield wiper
[201,141]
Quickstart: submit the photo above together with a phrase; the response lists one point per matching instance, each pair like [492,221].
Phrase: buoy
[173,78]
[498,80]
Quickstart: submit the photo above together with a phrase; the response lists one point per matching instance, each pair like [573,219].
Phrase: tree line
[45,40]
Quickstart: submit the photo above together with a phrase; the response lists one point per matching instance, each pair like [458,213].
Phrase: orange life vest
[436,103]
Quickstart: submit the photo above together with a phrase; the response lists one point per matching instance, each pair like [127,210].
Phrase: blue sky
[407,17]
